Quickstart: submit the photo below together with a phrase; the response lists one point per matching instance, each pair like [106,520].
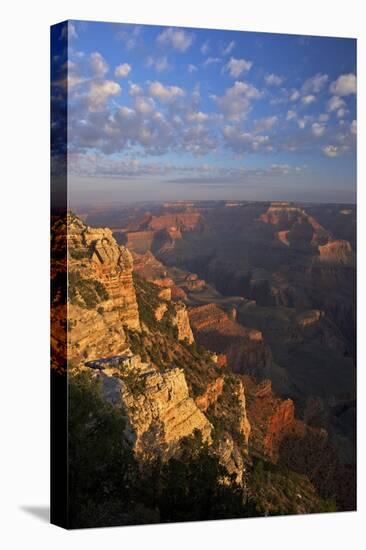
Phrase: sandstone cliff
[158,409]
[101,294]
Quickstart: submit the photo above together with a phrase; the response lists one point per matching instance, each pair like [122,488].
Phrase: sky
[177,113]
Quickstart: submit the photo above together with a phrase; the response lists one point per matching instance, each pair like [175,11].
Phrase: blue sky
[165,113]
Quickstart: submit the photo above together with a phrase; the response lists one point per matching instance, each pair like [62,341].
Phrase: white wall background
[24,397]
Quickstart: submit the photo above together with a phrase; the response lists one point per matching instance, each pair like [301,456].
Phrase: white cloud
[123,70]
[144,106]
[100,92]
[229,48]
[205,48]
[295,94]
[317,129]
[71,31]
[197,117]
[179,39]
[331,151]
[335,103]
[192,68]
[211,61]
[291,115]
[235,103]
[354,127]
[273,79]
[265,124]
[165,93]
[130,37]
[314,84]
[345,84]
[160,64]
[302,122]
[242,141]
[135,89]
[341,113]
[323,117]
[127,112]
[236,67]
[98,64]
[308,99]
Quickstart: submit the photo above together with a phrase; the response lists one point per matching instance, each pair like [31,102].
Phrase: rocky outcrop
[244,426]
[336,252]
[279,425]
[296,227]
[158,409]
[160,311]
[140,241]
[193,284]
[244,347]
[181,321]
[182,221]
[272,420]
[232,459]
[213,392]
[102,298]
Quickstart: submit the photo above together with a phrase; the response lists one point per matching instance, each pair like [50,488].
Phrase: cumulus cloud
[135,89]
[241,141]
[192,68]
[144,106]
[229,48]
[354,127]
[99,93]
[178,39]
[331,151]
[235,103]
[237,67]
[317,129]
[123,70]
[291,115]
[205,48]
[341,113]
[71,31]
[302,122]
[160,64]
[323,117]
[314,84]
[197,116]
[98,64]
[335,103]
[294,96]
[345,84]
[308,99]
[130,35]
[273,79]
[265,124]
[165,93]
[211,61]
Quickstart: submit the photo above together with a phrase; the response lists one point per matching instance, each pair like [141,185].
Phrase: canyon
[227,324]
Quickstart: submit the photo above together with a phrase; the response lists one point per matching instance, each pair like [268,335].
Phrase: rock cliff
[244,348]
[101,294]
[158,409]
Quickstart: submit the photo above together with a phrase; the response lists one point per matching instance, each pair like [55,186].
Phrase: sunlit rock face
[158,408]
[101,295]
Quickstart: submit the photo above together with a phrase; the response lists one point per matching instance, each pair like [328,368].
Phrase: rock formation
[244,348]
[101,295]
[337,252]
[181,321]
[158,409]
